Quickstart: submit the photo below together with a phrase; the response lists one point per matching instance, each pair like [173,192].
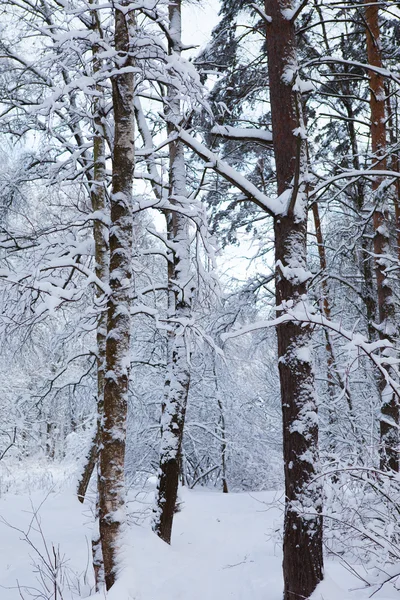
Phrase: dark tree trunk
[113,431]
[221,429]
[302,543]
[389,436]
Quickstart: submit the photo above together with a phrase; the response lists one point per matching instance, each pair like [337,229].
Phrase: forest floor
[224,547]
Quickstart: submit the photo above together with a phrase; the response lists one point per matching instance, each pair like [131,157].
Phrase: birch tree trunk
[180,289]
[98,197]
[389,436]
[222,434]
[113,431]
[302,542]
[221,430]
[102,258]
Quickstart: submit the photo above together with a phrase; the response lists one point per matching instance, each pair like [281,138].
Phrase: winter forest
[199,299]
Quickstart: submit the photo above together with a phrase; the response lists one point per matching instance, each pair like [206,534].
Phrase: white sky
[199,17]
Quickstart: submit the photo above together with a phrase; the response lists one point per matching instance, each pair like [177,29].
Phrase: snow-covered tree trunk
[102,258]
[113,431]
[98,197]
[180,289]
[221,430]
[389,436]
[302,543]
[100,228]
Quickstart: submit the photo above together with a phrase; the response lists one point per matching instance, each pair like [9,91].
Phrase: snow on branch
[303,313]
[243,134]
[354,63]
[354,174]
[272,206]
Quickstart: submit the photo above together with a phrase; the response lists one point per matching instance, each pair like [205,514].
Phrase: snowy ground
[224,548]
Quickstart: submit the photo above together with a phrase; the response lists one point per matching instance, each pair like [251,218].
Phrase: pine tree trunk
[389,436]
[180,289]
[302,543]
[113,432]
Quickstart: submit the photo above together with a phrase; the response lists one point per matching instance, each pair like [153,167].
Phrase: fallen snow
[224,547]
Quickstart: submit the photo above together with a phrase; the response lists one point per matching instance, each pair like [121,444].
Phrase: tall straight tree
[180,290]
[302,546]
[102,257]
[302,543]
[113,431]
[385,296]
[98,196]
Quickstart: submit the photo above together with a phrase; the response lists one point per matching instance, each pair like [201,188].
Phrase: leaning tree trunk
[389,436]
[180,289]
[302,542]
[113,430]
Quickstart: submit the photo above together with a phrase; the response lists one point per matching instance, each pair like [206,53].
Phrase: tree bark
[222,428]
[102,258]
[98,197]
[90,464]
[180,289]
[113,431]
[389,436]
[302,541]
